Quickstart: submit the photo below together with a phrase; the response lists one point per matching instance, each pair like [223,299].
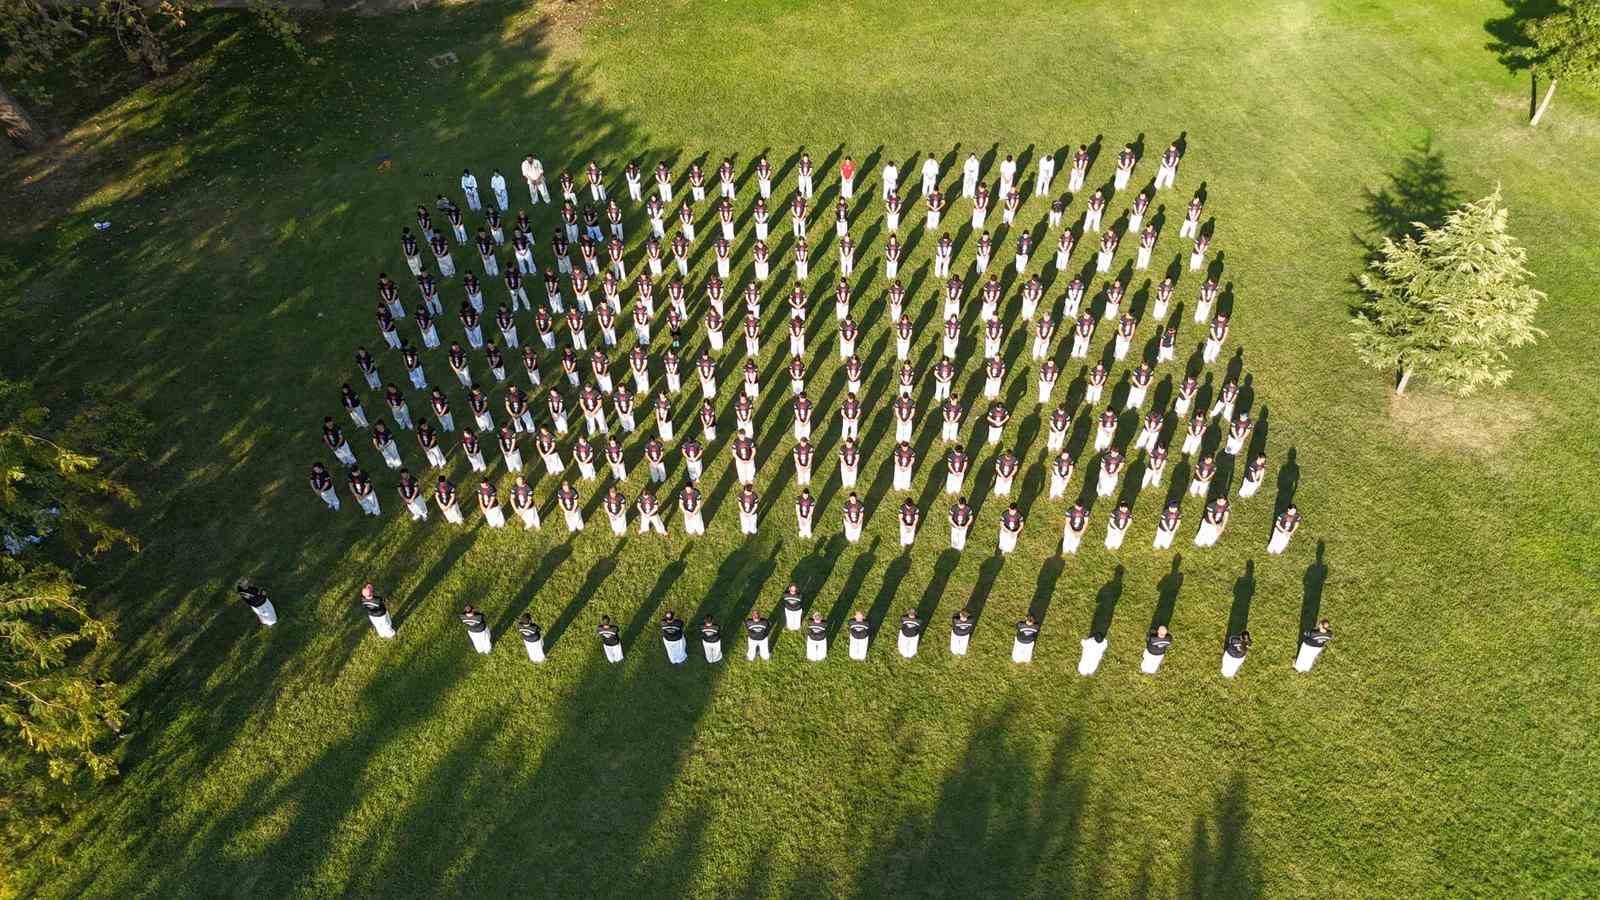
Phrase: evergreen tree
[57,716]
[1448,305]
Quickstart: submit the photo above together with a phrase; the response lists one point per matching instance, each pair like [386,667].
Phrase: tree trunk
[1405,376]
[1549,94]
[20,127]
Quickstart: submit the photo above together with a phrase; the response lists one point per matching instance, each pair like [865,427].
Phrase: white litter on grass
[102,226]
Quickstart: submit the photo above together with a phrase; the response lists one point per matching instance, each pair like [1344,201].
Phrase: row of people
[818,634]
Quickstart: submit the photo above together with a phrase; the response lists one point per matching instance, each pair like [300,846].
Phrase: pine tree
[1448,305]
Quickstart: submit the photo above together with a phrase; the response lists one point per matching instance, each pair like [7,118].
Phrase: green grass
[1441,747]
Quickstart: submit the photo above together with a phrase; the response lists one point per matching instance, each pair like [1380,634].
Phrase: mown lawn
[1441,746]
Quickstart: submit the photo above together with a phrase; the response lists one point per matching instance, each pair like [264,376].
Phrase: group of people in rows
[600,398]
[760,630]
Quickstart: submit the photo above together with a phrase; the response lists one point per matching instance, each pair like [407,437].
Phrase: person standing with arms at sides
[1060,425]
[256,598]
[1010,529]
[523,503]
[1117,527]
[567,499]
[477,628]
[935,201]
[533,175]
[616,505]
[1283,528]
[411,495]
[849,463]
[816,638]
[910,518]
[1008,174]
[532,637]
[891,178]
[805,508]
[322,486]
[758,637]
[1027,636]
[711,639]
[672,638]
[1254,475]
[847,179]
[747,509]
[1156,645]
[610,639]
[854,514]
[361,488]
[1072,532]
[793,607]
[469,187]
[1047,172]
[497,184]
[969,175]
[1060,474]
[1233,653]
[1213,522]
[377,611]
[910,633]
[1096,209]
[806,186]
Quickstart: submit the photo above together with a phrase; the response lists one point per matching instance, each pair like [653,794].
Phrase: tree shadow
[1420,193]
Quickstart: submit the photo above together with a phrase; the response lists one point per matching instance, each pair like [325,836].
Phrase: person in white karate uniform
[1312,643]
[816,638]
[256,598]
[969,175]
[497,184]
[477,628]
[930,175]
[1027,636]
[469,187]
[672,638]
[1156,646]
[1094,650]
[1233,653]
[377,611]
[910,633]
[1047,172]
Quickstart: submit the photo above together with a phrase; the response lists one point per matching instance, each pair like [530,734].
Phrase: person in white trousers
[1155,650]
[910,633]
[532,637]
[816,638]
[860,634]
[961,627]
[1027,636]
[672,638]
[1312,643]
[477,628]
[711,639]
[1233,653]
[256,598]
[758,637]
[1094,649]
[610,639]
[377,611]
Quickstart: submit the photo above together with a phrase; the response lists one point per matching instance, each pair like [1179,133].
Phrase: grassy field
[1442,746]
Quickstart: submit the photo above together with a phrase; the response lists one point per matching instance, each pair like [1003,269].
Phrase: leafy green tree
[1563,43]
[1448,305]
[58,717]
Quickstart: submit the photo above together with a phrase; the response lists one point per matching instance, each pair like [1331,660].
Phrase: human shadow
[1311,599]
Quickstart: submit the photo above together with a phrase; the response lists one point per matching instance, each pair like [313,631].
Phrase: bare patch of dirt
[1443,423]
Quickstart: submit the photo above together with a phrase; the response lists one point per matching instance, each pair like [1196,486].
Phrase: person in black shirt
[1311,645]
[711,639]
[962,624]
[860,633]
[672,638]
[610,639]
[477,628]
[1233,652]
[1027,634]
[377,611]
[1155,649]
[256,598]
[758,634]
[816,638]
[793,604]
[910,633]
[532,637]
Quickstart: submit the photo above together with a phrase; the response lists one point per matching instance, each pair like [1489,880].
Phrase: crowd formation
[591,347]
